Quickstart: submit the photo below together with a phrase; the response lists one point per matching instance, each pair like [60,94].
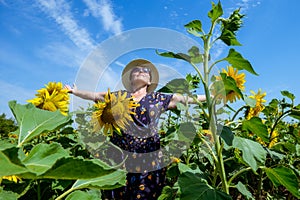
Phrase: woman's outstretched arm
[88,95]
[179,98]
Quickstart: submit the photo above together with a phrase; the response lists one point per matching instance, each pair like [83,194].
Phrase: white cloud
[60,11]
[103,10]
[245,5]
[62,54]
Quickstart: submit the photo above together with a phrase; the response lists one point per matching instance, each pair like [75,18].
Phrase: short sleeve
[164,100]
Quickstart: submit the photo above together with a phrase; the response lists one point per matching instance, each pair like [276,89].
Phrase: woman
[147,176]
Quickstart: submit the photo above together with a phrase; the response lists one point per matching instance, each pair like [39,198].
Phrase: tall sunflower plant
[244,156]
[45,158]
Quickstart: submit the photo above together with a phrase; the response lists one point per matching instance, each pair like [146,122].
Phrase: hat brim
[140,62]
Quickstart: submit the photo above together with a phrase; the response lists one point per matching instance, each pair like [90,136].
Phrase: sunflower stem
[211,109]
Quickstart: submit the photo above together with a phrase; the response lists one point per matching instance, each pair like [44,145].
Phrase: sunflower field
[227,152]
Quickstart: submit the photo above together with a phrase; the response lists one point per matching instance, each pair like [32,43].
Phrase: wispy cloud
[103,10]
[60,11]
[245,5]
[62,54]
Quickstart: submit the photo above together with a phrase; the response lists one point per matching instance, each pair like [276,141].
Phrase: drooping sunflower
[239,79]
[53,97]
[13,178]
[113,113]
[273,139]
[259,106]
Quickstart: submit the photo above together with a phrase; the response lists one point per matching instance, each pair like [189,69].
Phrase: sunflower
[239,79]
[13,178]
[272,141]
[259,104]
[273,138]
[53,97]
[113,113]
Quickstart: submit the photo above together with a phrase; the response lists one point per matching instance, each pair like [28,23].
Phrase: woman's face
[141,74]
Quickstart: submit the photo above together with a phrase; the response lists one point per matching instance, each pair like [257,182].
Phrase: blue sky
[54,40]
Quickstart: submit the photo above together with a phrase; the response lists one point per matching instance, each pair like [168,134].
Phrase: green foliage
[6,126]
[228,157]
[251,156]
[49,155]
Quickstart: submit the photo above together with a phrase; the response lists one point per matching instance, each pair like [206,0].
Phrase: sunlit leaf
[76,168]
[237,61]
[8,195]
[187,168]
[187,132]
[195,27]
[250,101]
[284,176]
[43,156]
[192,186]
[33,121]
[257,127]
[288,94]
[195,55]
[229,38]
[215,12]
[179,85]
[230,85]
[242,188]
[295,113]
[253,153]
[181,56]
[167,193]
[111,180]
[8,166]
[86,195]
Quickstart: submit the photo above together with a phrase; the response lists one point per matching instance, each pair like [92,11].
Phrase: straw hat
[140,63]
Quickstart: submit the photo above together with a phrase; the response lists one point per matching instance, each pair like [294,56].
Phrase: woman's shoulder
[161,95]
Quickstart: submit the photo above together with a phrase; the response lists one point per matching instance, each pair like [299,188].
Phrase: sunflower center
[117,110]
[107,116]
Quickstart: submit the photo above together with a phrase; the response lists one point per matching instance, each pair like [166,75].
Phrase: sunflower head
[259,106]
[239,80]
[273,138]
[53,97]
[113,113]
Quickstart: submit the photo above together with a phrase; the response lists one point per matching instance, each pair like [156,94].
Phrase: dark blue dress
[140,144]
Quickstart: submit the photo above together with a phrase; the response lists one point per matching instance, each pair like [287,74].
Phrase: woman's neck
[139,92]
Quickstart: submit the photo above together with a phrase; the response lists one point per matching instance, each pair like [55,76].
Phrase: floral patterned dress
[140,144]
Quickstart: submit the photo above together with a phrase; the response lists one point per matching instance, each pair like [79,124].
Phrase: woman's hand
[70,89]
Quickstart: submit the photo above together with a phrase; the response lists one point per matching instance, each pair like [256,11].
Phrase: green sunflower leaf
[242,188]
[8,164]
[288,94]
[178,85]
[237,61]
[195,27]
[192,186]
[91,194]
[215,12]
[229,38]
[253,153]
[257,127]
[76,168]
[33,121]
[108,181]
[181,56]
[230,85]
[284,176]
[43,156]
